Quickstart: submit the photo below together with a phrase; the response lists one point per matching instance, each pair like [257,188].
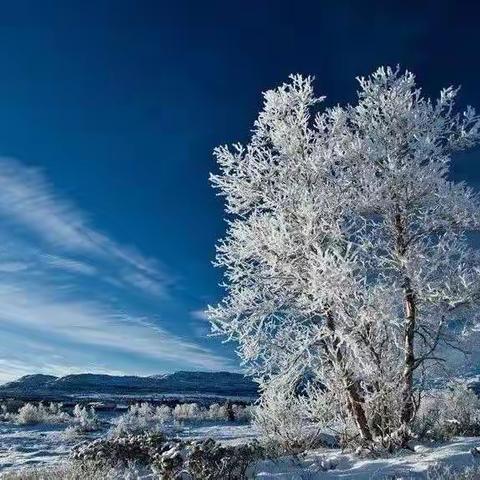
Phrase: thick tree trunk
[409,355]
[355,401]
[355,405]
[408,406]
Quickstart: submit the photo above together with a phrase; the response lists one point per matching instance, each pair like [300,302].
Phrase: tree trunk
[354,397]
[355,405]
[408,406]
[409,355]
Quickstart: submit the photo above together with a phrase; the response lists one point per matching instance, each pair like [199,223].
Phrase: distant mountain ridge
[182,382]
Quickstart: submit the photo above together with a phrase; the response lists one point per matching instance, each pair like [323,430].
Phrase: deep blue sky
[109,111]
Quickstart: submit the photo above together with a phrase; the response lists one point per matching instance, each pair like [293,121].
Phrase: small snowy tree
[347,258]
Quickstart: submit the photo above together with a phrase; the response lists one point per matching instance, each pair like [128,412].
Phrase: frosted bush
[31,414]
[447,413]
[207,460]
[4,414]
[442,472]
[124,449]
[229,411]
[173,459]
[282,418]
[216,411]
[242,413]
[142,418]
[85,420]
[9,407]
[163,413]
[74,471]
[219,412]
[145,417]
[185,411]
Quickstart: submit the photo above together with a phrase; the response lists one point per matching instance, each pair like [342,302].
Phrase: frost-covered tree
[347,258]
[289,269]
[417,220]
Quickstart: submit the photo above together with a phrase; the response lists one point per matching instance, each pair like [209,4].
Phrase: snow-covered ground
[22,446]
[335,465]
[27,445]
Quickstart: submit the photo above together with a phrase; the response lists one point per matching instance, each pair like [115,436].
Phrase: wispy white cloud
[28,200]
[144,282]
[66,292]
[69,264]
[92,324]
[13,267]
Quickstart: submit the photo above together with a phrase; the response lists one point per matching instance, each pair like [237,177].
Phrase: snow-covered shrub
[443,472]
[83,419]
[187,411]
[86,420]
[447,413]
[142,418]
[145,417]
[122,449]
[242,413]
[10,406]
[209,460]
[282,418]
[31,414]
[3,412]
[216,411]
[163,413]
[220,412]
[171,459]
[72,471]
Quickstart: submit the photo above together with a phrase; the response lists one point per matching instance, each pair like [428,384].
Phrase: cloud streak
[29,201]
[74,299]
[89,323]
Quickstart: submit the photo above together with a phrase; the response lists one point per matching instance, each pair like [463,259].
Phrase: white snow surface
[335,465]
[23,446]
[29,445]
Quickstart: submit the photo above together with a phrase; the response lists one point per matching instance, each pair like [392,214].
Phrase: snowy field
[31,445]
[24,446]
[336,465]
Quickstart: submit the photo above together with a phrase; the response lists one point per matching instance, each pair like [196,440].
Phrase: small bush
[72,471]
[122,450]
[208,460]
[83,420]
[8,407]
[186,411]
[142,418]
[285,422]
[86,420]
[171,459]
[448,413]
[31,414]
[441,472]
